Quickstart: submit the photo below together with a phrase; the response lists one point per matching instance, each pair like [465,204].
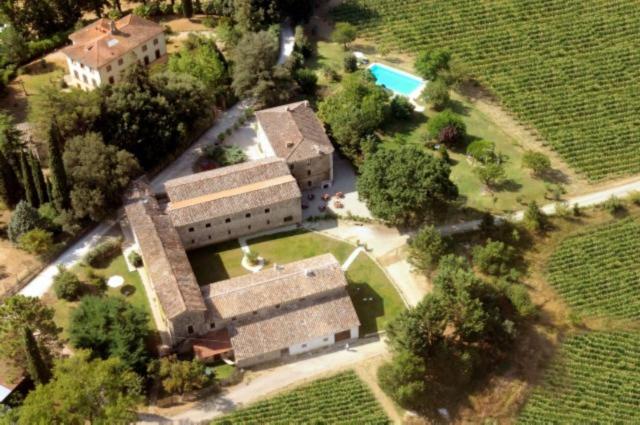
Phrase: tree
[534,217]
[187,8]
[494,258]
[307,80]
[447,127]
[11,144]
[437,94]
[537,162]
[59,186]
[111,327]
[483,151]
[10,188]
[253,58]
[27,182]
[19,311]
[98,175]
[343,33]
[36,367]
[403,379]
[429,64]
[13,45]
[491,174]
[401,108]
[66,284]
[350,63]
[83,390]
[426,248]
[201,59]
[180,376]
[357,109]
[38,179]
[405,185]
[36,241]
[23,219]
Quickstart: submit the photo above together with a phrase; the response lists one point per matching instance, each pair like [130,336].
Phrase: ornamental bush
[66,284]
[447,127]
[103,253]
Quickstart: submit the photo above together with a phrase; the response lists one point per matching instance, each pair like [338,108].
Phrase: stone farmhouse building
[102,50]
[294,133]
[231,202]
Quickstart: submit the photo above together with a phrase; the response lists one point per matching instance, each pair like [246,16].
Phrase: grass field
[342,398]
[594,379]
[567,67]
[374,297]
[597,272]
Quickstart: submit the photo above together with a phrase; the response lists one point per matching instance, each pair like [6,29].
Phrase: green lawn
[117,266]
[374,296]
[223,370]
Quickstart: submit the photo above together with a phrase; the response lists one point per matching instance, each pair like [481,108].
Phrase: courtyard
[375,298]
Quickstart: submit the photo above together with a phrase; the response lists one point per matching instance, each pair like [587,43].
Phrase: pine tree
[36,367]
[38,179]
[59,187]
[27,182]
[10,189]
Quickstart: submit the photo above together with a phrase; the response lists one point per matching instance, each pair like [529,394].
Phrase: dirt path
[367,371]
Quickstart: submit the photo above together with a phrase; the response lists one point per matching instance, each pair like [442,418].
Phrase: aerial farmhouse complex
[285,309]
[101,51]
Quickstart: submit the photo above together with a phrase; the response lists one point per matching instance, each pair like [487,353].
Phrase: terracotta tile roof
[274,285]
[293,326]
[97,44]
[212,343]
[294,131]
[165,259]
[229,192]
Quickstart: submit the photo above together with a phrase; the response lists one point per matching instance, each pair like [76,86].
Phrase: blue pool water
[392,79]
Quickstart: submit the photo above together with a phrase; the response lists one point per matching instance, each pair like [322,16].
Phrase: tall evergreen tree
[36,366]
[187,8]
[27,182]
[10,188]
[59,186]
[38,179]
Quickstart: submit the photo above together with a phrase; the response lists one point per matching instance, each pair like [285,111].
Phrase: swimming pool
[399,82]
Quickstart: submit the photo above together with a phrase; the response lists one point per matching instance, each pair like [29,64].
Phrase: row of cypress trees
[21,176]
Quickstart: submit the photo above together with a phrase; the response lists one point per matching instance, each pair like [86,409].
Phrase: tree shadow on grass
[368,304]
[459,107]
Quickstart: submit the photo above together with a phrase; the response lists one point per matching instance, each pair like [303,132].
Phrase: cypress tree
[36,367]
[48,187]
[187,8]
[59,187]
[27,182]
[10,189]
[38,179]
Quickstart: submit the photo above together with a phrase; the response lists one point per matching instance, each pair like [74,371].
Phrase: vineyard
[594,379]
[339,399]
[569,68]
[597,271]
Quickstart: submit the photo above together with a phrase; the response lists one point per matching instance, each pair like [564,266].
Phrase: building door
[146,60]
[157,54]
[342,336]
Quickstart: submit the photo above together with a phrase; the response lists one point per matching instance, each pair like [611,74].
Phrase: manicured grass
[342,398]
[520,184]
[217,262]
[223,370]
[328,55]
[374,296]
[118,267]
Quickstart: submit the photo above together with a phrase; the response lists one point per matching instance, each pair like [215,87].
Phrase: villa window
[120,61]
[277,305]
[191,229]
[291,166]
[155,41]
[111,80]
[157,54]
[193,241]
[146,60]
[309,183]
[189,329]
[255,312]
[229,231]
[247,215]
[108,68]
[288,218]
[207,225]
[249,227]
[308,172]
[95,83]
[268,221]
[267,211]
[144,48]
[212,325]
[233,319]
[76,74]
[82,65]
[84,77]
[227,220]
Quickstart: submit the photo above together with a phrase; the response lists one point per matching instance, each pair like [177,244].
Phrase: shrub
[36,241]
[23,219]
[482,151]
[537,162]
[534,218]
[350,63]
[97,281]
[401,108]
[103,253]
[66,284]
[430,64]
[253,258]
[494,258]
[307,81]
[613,205]
[426,248]
[135,259]
[225,155]
[447,127]
[436,93]
[48,214]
